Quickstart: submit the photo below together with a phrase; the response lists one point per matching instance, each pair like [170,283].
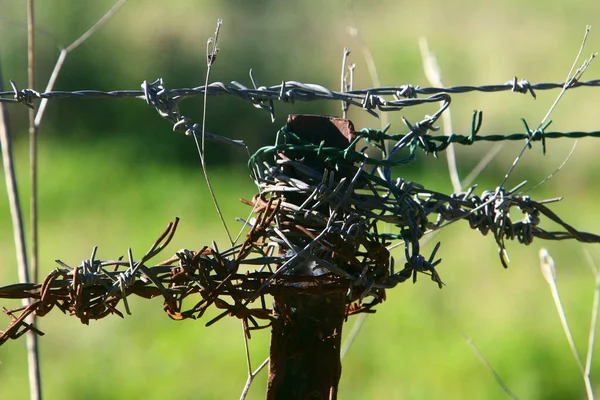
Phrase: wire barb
[331,236]
[318,205]
[385,98]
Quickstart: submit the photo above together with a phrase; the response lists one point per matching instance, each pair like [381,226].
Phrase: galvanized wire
[369,99]
[338,223]
[166,102]
[329,237]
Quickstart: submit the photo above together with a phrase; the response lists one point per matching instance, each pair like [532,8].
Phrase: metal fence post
[306,333]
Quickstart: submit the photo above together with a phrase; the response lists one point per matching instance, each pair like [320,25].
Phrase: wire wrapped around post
[307,329]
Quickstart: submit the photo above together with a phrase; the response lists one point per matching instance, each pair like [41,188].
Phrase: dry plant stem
[571,78]
[211,56]
[34,123]
[33,158]
[485,362]
[568,78]
[549,272]
[19,239]
[251,378]
[360,320]
[567,158]
[485,160]
[33,359]
[343,81]
[13,195]
[434,76]
[594,319]
[251,375]
[64,52]
[371,67]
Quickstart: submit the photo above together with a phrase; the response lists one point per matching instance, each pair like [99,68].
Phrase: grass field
[95,193]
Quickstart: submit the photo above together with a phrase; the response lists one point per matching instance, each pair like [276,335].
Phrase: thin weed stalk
[489,367]
[375,81]
[358,324]
[212,51]
[33,357]
[571,79]
[20,247]
[35,118]
[33,141]
[67,50]
[484,162]
[594,319]
[434,76]
[549,271]
[251,374]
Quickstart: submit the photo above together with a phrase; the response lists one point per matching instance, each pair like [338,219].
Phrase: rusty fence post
[307,330]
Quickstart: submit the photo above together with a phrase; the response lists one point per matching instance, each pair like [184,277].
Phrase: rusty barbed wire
[322,205]
[323,211]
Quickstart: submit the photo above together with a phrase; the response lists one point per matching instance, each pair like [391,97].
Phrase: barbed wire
[369,99]
[166,102]
[324,212]
[317,203]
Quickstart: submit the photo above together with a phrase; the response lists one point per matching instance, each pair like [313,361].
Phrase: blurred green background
[112,174]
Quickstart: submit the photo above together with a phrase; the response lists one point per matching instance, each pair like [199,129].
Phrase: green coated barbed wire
[531,135]
[426,142]
[408,206]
